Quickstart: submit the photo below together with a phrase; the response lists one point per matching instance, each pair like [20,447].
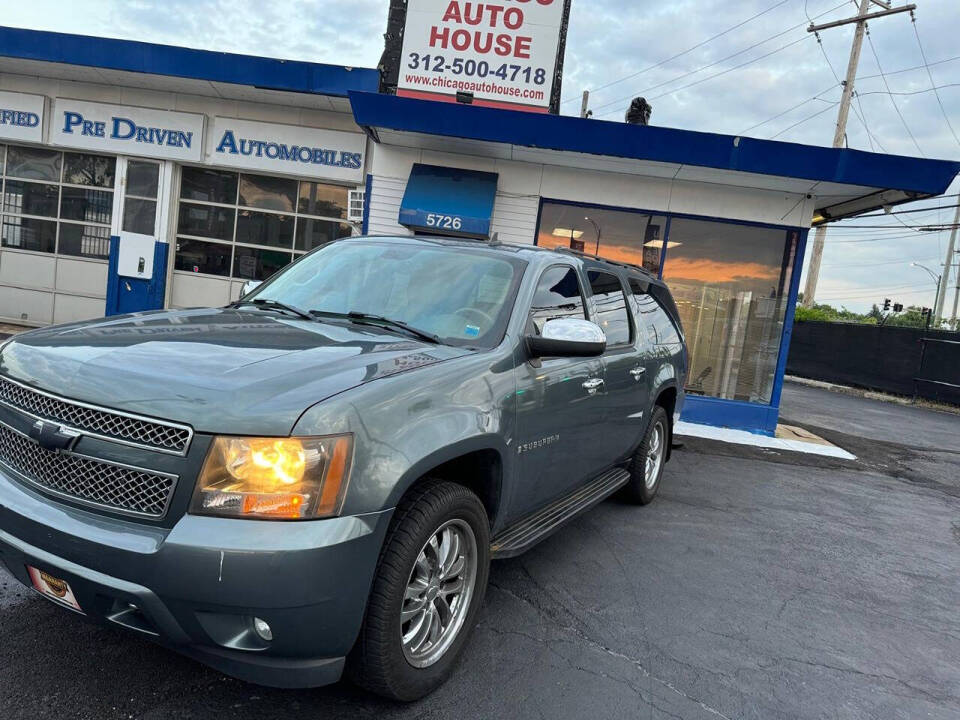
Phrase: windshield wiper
[368,319]
[275,305]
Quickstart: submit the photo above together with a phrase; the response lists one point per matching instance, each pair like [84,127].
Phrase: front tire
[646,466]
[430,583]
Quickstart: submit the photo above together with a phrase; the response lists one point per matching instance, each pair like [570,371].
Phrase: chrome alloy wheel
[654,456]
[438,594]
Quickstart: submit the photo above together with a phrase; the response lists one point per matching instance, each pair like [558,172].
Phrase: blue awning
[449,201]
[844,182]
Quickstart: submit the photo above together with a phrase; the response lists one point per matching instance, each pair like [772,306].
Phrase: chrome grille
[112,425]
[115,487]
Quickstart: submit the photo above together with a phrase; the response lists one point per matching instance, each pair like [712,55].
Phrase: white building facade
[209,183]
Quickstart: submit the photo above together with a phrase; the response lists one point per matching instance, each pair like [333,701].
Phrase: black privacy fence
[904,361]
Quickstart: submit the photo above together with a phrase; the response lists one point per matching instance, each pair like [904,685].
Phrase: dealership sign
[129,130]
[21,116]
[294,150]
[501,54]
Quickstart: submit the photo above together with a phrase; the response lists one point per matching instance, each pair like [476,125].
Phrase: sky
[750,80]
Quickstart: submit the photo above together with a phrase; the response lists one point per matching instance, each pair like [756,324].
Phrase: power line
[789,109]
[831,106]
[896,107]
[913,92]
[710,65]
[933,86]
[685,52]
[907,212]
[898,261]
[702,80]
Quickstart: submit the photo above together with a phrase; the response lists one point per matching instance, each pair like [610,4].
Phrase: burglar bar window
[55,202]
[249,226]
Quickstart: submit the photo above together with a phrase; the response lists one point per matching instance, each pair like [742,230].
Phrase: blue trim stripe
[788,321]
[656,144]
[758,419]
[131,56]
[367,197]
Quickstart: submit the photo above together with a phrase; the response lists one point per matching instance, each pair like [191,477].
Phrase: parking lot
[759,585]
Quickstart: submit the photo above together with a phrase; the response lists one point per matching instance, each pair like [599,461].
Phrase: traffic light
[898,307]
[886,305]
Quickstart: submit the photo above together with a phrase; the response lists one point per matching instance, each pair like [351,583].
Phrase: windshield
[461,295]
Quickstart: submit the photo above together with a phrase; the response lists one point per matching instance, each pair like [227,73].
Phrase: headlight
[274,478]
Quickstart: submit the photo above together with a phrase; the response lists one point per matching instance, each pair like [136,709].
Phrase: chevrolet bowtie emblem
[53,436]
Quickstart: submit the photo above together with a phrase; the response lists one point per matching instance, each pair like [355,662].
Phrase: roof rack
[591,256]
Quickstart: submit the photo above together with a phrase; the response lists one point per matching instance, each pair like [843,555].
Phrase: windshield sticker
[472,331]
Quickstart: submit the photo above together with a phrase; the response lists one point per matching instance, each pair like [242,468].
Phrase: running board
[526,533]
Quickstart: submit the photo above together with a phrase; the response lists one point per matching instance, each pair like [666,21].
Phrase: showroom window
[56,202]
[249,226]
[621,235]
[730,283]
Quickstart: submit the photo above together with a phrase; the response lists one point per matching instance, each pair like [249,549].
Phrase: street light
[936,278]
[596,227]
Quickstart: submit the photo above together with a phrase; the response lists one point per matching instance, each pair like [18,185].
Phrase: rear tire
[646,466]
[430,583]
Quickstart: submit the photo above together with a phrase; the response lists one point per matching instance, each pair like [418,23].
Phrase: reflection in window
[206,221]
[611,307]
[140,201]
[91,170]
[202,257]
[256,264]
[325,200]
[268,193]
[731,284]
[260,228]
[558,295]
[208,185]
[314,233]
[33,163]
[264,222]
[74,190]
[620,235]
[85,240]
[30,198]
[29,234]
[83,204]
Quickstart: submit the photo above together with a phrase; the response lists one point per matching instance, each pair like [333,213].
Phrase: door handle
[592,385]
[638,372]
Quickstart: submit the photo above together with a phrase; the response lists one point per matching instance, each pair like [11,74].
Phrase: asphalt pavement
[761,584]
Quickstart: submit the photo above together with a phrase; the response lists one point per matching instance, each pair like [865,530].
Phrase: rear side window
[612,313]
[558,295]
[653,318]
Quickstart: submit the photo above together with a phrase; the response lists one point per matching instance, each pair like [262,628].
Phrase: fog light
[262,629]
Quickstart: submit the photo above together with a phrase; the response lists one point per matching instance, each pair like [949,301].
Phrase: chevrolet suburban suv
[314,479]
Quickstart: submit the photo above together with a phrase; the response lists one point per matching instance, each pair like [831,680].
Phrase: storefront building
[207,169]
[138,176]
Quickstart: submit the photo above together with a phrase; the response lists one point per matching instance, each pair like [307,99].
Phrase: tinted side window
[612,313]
[652,316]
[558,295]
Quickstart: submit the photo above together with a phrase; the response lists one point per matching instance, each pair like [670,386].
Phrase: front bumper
[195,587]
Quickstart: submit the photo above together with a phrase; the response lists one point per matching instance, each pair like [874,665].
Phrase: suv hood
[220,370]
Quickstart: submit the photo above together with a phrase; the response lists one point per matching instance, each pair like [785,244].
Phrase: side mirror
[249,286]
[567,337]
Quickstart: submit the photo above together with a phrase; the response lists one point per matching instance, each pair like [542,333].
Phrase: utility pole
[956,297]
[947,265]
[584,112]
[839,138]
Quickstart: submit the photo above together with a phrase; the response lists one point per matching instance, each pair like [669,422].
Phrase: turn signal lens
[274,478]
